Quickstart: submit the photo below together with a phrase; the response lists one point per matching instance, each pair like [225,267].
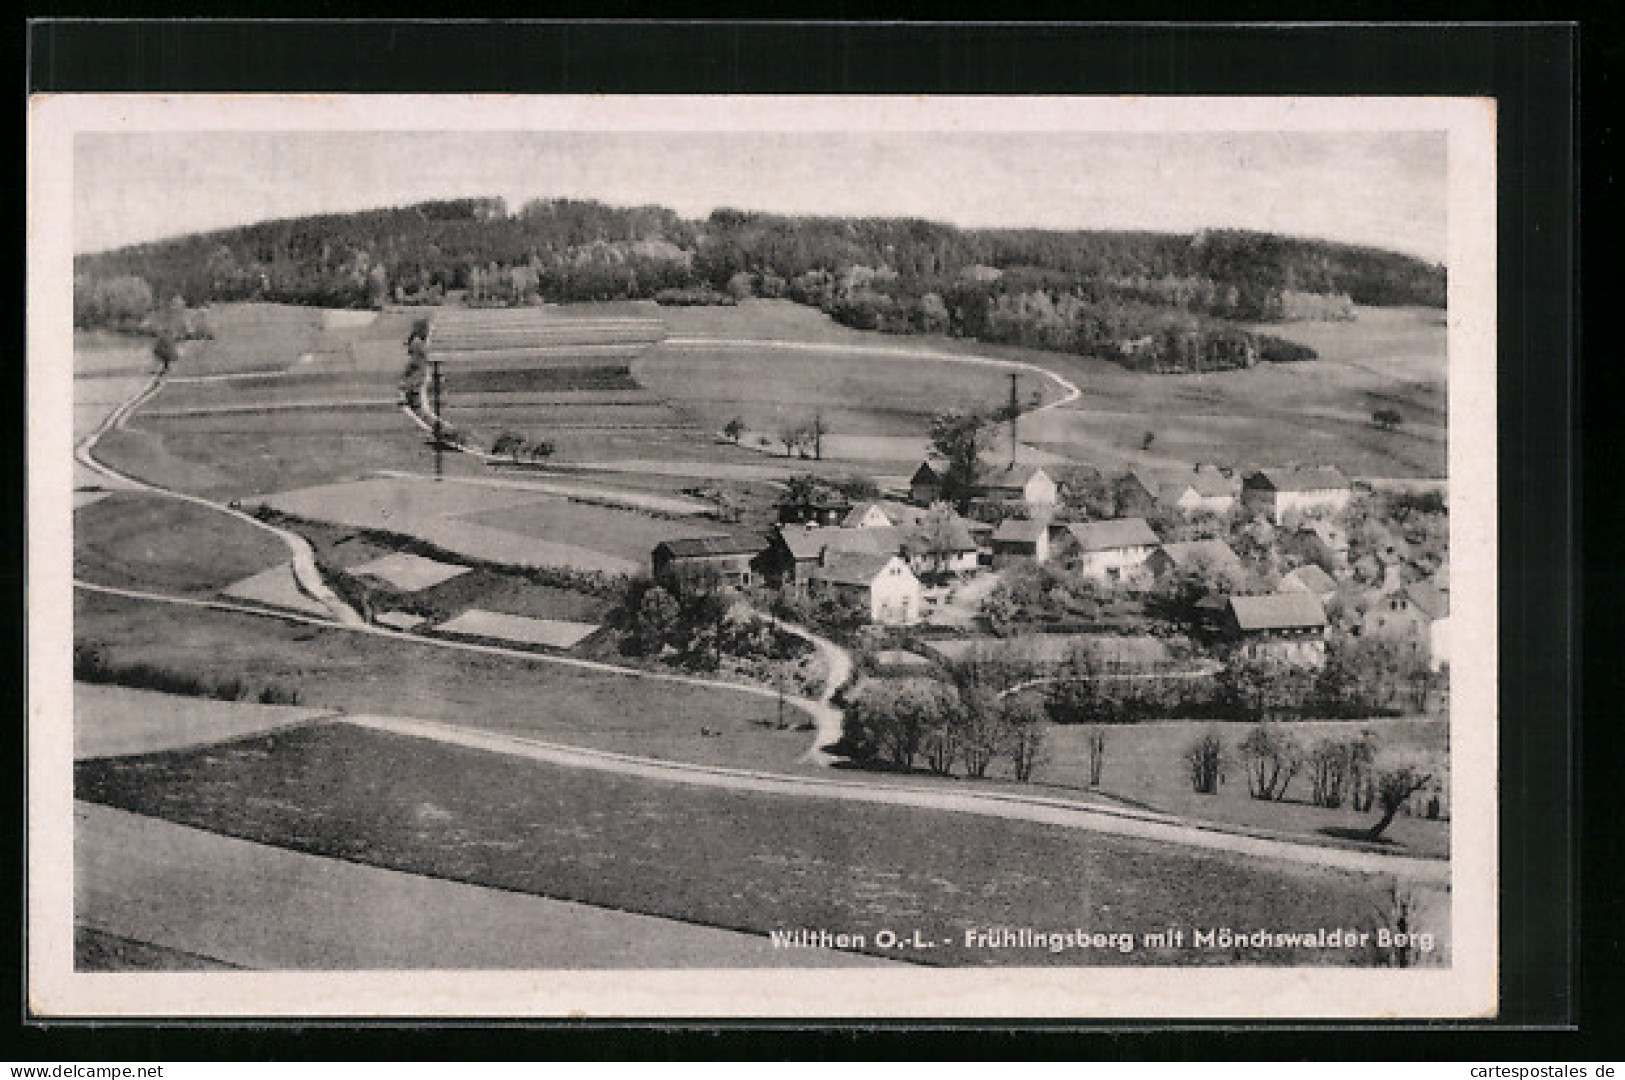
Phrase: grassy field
[151,542]
[221,460]
[773,389]
[96,951]
[482,587]
[621,533]
[361,673]
[333,387]
[746,861]
[1145,765]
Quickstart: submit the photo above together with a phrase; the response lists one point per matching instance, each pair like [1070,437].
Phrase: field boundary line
[1338,857]
[1121,821]
[307,576]
[1069,390]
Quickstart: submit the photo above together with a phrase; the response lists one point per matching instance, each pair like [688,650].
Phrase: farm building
[1418,616]
[1289,495]
[925,486]
[1434,604]
[1026,485]
[1018,538]
[1204,490]
[795,550]
[882,514]
[884,584]
[1111,550]
[1189,556]
[1309,579]
[824,506]
[729,557]
[1290,627]
[1318,542]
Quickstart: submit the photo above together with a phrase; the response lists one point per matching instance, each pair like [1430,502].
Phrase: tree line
[1161,301]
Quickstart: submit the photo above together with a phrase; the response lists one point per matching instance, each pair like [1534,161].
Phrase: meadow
[362,673]
[743,860]
[150,542]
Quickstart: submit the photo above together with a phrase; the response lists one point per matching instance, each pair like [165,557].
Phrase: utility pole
[1015,411]
[435,394]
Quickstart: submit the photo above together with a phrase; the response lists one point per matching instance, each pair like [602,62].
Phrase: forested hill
[1134,295]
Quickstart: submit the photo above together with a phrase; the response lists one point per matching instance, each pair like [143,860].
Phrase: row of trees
[1077,291]
[1339,767]
[902,722]
[692,617]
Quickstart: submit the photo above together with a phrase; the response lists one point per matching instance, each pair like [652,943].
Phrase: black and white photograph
[611,556]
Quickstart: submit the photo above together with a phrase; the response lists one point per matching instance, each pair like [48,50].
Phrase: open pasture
[296,387]
[776,388]
[544,531]
[152,542]
[751,861]
[360,673]
[1146,766]
[623,533]
[221,459]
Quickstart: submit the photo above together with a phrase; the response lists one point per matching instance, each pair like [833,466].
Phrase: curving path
[306,574]
[827,719]
[1119,821]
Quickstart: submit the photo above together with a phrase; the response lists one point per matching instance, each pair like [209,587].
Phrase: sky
[1384,189]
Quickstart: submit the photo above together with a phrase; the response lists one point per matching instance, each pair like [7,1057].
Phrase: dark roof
[925,474]
[1277,611]
[699,547]
[1116,533]
[853,568]
[1318,478]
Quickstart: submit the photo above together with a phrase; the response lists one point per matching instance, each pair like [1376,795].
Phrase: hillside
[1151,301]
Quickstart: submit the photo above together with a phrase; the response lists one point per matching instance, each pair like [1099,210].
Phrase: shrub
[1271,758]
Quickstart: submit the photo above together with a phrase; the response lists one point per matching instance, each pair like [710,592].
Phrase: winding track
[305,572]
[1143,825]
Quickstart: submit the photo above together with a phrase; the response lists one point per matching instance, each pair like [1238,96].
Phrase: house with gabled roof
[1433,603]
[1029,485]
[1019,538]
[731,558]
[883,584]
[1110,550]
[1203,490]
[1184,556]
[1309,579]
[1290,627]
[1290,494]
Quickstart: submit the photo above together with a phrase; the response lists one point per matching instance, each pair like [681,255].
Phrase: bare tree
[1394,787]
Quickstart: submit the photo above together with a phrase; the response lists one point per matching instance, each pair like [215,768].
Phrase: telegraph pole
[435,394]
[1015,411]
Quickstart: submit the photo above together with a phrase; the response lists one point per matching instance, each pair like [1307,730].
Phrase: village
[1322,561]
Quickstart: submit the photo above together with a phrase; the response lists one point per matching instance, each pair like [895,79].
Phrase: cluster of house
[876,553]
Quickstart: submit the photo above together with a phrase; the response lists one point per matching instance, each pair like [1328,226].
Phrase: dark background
[1533,71]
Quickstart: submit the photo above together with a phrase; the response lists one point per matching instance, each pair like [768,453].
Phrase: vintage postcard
[761,557]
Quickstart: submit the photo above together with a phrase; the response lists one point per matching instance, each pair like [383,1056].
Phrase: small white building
[1111,550]
[1434,605]
[1289,495]
[882,583]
